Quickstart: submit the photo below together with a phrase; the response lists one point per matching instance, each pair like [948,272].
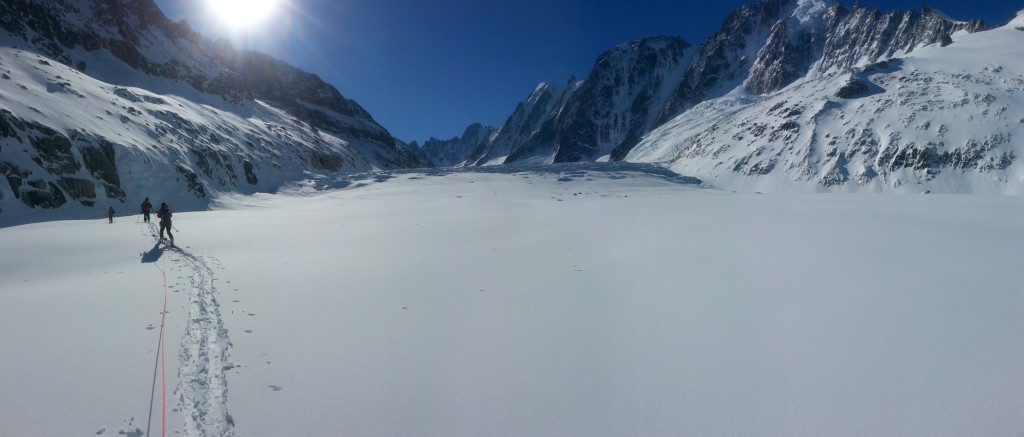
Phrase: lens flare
[242,14]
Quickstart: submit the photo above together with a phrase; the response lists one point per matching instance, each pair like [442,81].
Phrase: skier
[164,214]
[146,208]
[110,214]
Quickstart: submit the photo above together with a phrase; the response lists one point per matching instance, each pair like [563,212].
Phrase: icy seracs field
[488,304]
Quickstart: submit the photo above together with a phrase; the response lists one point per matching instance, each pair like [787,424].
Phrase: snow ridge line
[202,381]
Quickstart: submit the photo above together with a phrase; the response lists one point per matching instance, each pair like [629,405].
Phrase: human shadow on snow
[153,254]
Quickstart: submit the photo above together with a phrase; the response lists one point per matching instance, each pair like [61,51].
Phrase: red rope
[163,378]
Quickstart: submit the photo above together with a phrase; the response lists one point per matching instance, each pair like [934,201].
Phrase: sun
[242,14]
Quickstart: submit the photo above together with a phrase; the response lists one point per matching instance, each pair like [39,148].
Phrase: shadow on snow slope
[565,171]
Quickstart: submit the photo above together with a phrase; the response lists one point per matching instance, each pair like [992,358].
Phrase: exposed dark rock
[41,198]
[837,174]
[195,186]
[78,188]
[861,35]
[53,151]
[10,125]
[215,164]
[326,161]
[720,60]
[447,153]
[15,177]
[785,57]
[250,174]
[100,162]
[854,88]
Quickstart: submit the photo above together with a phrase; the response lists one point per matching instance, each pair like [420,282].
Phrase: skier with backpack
[110,214]
[164,214]
[146,208]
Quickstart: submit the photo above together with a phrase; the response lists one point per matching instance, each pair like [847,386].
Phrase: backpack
[164,214]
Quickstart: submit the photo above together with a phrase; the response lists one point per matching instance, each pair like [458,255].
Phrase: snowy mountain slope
[103,103]
[861,35]
[772,52]
[453,152]
[616,103]
[725,59]
[794,43]
[140,36]
[603,114]
[530,127]
[662,310]
[941,118]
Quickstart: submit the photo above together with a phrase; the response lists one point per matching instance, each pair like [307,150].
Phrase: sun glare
[241,14]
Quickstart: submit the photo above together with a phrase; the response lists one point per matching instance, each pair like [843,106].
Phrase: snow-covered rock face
[105,102]
[453,152]
[861,36]
[606,113]
[725,59]
[530,128]
[792,46]
[940,119]
[618,101]
[811,95]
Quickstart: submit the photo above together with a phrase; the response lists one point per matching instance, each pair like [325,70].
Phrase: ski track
[202,381]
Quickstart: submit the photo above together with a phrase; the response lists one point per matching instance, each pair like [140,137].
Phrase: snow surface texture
[565,302]
[944,119]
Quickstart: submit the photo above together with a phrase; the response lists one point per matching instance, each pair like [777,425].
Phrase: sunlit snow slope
[945,119]
[106,102]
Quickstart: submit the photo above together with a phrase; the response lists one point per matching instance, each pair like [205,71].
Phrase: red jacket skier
[146,208]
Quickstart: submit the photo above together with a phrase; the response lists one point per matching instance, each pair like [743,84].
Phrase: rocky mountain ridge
[762,51]
[453,152]
[95,93]
[943,119]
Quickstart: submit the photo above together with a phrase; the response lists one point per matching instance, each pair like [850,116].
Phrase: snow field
[575,303]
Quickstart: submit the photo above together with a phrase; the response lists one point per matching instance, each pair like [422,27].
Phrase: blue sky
[430,68]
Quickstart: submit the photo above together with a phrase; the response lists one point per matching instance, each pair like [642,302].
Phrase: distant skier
[146,208]
[164,214]
[110,214]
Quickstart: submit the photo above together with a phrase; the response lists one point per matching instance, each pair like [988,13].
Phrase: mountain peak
[783,93]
